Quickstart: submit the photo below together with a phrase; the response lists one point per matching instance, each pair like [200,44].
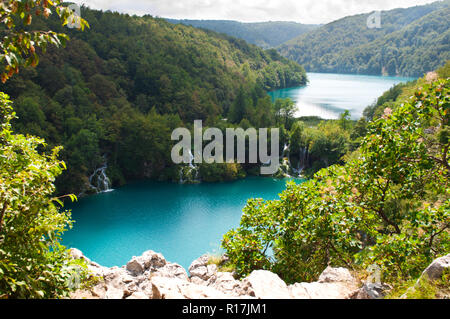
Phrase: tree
[297,141]
[241,106]
[33,264]
[285,110]
[345,121]
[18,46]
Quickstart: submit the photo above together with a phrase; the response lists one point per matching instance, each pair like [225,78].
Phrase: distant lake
[328,95]
[182,222]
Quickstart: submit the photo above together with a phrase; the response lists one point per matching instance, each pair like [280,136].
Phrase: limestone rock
[334,283]
[148,260]
[263,284]
[114,293]
[226,283]
[333,275]
[174,288]
[437,267]
[200,268]
[316,290]
[150,276]
[373,291]
[172,271]
[99,291]
[135,266]
[117,278]
[138,295]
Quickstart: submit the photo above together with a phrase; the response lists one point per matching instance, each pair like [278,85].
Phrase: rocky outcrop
[150,276]
[334,283]
[263,284]
[373,291]
[432,274]
[437,268]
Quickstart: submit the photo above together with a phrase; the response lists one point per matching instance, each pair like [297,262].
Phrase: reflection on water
[328,95]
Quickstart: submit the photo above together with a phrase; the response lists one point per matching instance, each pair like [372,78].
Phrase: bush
[33,264]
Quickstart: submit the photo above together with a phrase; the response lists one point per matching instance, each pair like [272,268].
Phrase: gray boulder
[148,261]
[171,271]
[373,291]
[200,269]
[437,268]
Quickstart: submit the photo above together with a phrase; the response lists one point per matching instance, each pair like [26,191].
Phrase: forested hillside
[410,42]
[117,91]
[264,34]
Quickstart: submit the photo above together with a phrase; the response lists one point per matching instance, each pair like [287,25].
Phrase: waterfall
[303,159]
[302,163]
[285,150]
[191,160]
[99,181]
[189,174]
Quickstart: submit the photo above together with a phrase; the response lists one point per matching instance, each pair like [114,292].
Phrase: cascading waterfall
[302,162]
[189,174]
[285,150]
[99,181]
[303,159]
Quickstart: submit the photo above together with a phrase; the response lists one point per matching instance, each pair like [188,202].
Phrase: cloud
[304,11]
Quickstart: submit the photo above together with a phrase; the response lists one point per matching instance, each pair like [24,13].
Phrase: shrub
[33,264]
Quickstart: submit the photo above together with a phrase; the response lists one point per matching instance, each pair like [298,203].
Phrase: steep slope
[414,50]
[113,96]
[263,34]
[405,38]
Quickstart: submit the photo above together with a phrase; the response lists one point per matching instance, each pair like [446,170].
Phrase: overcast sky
[304,11]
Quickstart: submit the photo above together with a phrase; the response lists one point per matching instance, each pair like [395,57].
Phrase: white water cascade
[302,163]
[99,181]
[285,150]
[190,173]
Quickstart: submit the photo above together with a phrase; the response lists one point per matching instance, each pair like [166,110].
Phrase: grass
[423,289]
[219,262]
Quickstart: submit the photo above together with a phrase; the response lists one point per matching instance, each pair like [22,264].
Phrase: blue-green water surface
[180,221]
[329,95]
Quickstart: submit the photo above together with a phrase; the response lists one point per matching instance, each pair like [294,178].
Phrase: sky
[303,11]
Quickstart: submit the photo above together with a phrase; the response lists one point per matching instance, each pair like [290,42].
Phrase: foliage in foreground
[18,45]
[33,264]
[388,206]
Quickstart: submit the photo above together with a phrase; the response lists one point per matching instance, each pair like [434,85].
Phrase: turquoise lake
[182,222]
[328,95]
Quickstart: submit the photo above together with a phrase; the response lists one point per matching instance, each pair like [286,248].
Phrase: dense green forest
[263,34]
[410,42]
[117,91]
